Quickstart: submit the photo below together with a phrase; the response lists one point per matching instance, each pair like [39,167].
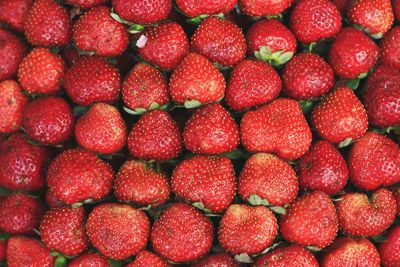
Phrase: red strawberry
[211,130]
[194,8]
[346,251]
[271,41]
[363,216]
[216,260]
[155,136]
[196,79]
[142,11]
[252,83]
[41,72]
[396,193]
[310,221]
[307,76]
[269,178]
[256,8]
[279,127]
[62,229]
[287,256]
[12,51]
[90,259]
[147,258]
[20,214]
[47,24]
[91,80]
[48,120]
[164,45]
[374,161]
[340,116]
[14,13]
[391,48]
[353,54]
[98,32]
[208,183]
[12,105]
[52,201]
[390,249]
[86,3]
[77,175]
[182,224]
[101,129]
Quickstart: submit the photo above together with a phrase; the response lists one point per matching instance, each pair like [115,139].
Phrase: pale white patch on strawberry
[141,42]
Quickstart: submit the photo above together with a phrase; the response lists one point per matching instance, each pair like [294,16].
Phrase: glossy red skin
[3,249]
[193,8]
[310,221]
[252,83]
[12,51]
[290,256]
[390,248]
[167,44]
[76,175]
[90,260]
[91,80]
[47,24]
[352,53]
[142,12]
[279,127]
[147,258]
[14,13]
[12,105]
[255,8]
[217,260]
[391,48]
[86,3]
[374,161]
[48,120]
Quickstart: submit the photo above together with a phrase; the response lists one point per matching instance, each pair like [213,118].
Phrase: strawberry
[374,161]
[90,259]
[310,221]
[48,120]
[137,183]
[208,183]
[3,249]
[12,105]
[217,259]
[155,136]
[270,178]
[142,11]
[12,51]
[315,20]
[264,7]
[279,127]
[307,76]
[41,72]
[118,231]
[220,41]
[194,8]
[271,41]
[287,256]
[391,48]
[101,129]
[62,229]
[20,213]
[91,80]
[390,249]
[346,251]
[164,45]
[182,224]
[47,24]
[23,165]
[86,3]
[340,116]
[196,79]
[252,83]
[396,193]
[147,258]
[211,130]
[52,201]
[77,175]
[353,54]
[14,13]
[98,32]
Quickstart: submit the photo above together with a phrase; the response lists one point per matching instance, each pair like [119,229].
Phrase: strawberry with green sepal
[12,51]
[90,259]
[217,259]
[287,256]
[14,13]
[264,8]
[390,248]
[391,48]
[86,3]
[201,9]
[147,258]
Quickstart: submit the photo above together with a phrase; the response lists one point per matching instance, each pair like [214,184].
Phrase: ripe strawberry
[147,258]
[52,201]
[391,48]
[346,251]
[287,256]
[182,224]
[155,136]
[20,214]
[47,24]
[90,259]
[164,45]
[62,229]
[101,129]
[211,130]
[76,175]
[194,8]
[310,221]
[270,178]
[14,13]
[264,8]
[206,182]
[279,127]
[340,116]
[353,54]
[390,249]
[98,32]
[252,83]
[86,3]
[48,120]
[41,72]
[12,51]
[118,231]
[396,193]
[307,76]
[217,259]
[12,105]
[142,11]
[196,78]
[91,80]
[374,161]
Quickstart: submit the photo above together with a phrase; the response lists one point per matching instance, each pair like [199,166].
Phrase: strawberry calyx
[306,106]
[133,27]
[346,142]
[276,59]
[256,200]
[201,206]
[197,20]
[61,260]
[141,111]
[78,204]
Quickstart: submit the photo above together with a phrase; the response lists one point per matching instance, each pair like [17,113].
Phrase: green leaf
[311,46]
[363,75]
[135,28]
[145,208]
[154,105]
[264,53]
[256,200]
[353,83]
[306,106]
[395,129]
[234,154]
[278,209]
[345,142]
[192,104]
[313,248]
[284,57]
[61,261]
[201,206]
[243,258]
[4,236]
[116,17]
[379,238]
[268,249]
[137,111]
[197,20]
[76,205]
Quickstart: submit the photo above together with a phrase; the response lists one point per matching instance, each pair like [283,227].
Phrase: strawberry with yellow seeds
[287,256]
[217,259]
[147,258]
[194,8]
[390,248]
[12,51]
[14,13]
[264,7]
[90,259]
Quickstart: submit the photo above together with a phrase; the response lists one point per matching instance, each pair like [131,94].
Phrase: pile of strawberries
[217,133]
